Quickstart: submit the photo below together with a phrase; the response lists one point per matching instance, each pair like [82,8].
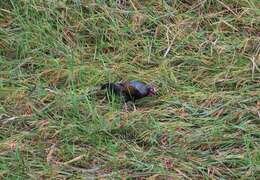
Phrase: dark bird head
[151,90]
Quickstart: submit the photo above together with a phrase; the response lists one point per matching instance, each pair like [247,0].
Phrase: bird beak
[153,92]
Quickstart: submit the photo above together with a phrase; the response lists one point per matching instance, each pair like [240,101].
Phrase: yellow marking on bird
[129,90]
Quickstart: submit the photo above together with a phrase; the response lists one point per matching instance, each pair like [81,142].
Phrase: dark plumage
[130,91]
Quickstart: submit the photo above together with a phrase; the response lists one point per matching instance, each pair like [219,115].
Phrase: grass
[202,55]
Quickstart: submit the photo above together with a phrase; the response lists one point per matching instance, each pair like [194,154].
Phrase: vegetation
[202,55]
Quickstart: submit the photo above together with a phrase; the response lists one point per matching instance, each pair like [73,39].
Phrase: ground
[202,55]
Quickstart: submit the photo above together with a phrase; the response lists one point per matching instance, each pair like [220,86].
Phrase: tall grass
[202,55]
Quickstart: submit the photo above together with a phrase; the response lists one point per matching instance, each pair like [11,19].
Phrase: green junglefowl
[129,91]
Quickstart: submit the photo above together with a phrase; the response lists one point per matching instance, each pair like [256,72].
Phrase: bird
[130,91]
